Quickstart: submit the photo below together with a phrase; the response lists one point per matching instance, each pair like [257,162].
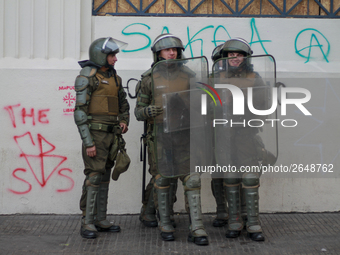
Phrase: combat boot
[197,232]
[101,223]
[88,230]
[235,223]
[221,208]
[148,212]
[253,224]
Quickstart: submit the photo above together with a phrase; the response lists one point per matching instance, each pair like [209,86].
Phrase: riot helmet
[166,41]
[101,47]
[238,45]
[216,54]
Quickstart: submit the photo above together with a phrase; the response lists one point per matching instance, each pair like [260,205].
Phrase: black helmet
[100,48]
[166,41]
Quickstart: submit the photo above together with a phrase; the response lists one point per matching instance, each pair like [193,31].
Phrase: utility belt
[106,128]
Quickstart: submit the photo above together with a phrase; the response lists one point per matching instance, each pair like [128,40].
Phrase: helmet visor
[112,46]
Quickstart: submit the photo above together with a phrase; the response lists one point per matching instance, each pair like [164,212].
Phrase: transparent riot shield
[178,141]
[245,122]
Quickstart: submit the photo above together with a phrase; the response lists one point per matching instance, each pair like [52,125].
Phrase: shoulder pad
[147,73]
[88,71]
[188,71]
[81,83]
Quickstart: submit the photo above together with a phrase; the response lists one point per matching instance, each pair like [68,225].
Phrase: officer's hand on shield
[153,111]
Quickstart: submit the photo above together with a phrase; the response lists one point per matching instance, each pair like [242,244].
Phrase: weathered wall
[41,166]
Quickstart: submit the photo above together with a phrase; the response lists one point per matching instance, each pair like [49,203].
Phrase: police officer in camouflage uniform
[102,115]
[246,147]
[162,189]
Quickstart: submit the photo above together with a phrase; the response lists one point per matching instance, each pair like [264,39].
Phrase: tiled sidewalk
[313,233]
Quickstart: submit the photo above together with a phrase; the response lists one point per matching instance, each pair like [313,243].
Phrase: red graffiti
[68,110]
[41,115]
[72,181]
[16,177]
[40,173]
[69,99]
[66,88]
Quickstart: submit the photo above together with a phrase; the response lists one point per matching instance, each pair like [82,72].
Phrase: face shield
[111,45]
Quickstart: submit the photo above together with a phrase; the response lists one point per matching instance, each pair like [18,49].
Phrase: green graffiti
[214,41]
[137,33]
[311,45]
[254,29]
[166,29]
[190,40]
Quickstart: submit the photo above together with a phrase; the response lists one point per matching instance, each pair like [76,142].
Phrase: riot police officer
[168,75]
[102,115]
[246,146]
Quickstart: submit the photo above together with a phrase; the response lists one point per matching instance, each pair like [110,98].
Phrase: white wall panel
[56,28]
[2,27]
[43,28]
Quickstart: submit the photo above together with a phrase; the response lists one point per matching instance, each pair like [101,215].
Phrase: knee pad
[162,182]
[250,179]
[193,181]
[95,179]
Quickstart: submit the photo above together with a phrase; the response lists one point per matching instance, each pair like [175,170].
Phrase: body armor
[104,100]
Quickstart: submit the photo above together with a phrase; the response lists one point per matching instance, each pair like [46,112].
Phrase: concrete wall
[41,42]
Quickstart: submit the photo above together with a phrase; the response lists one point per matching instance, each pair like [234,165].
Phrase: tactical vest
[104,100]
[179,82]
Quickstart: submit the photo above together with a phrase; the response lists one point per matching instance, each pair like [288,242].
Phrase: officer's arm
[143,92]
[124,107]
[80,117]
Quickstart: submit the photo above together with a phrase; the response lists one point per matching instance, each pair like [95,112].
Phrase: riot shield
[245,123]
[181,124]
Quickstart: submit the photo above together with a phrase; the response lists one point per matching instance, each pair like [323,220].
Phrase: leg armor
[232,189]
[162,186]
[250,183]
[148,211]
[192,189]
[101,223]
[88,230]
[221,209]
